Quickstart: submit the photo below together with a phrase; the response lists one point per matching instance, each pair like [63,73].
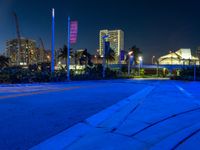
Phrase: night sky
[154,26]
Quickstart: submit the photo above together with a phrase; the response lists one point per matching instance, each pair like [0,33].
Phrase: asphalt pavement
[161,116]
[33,113]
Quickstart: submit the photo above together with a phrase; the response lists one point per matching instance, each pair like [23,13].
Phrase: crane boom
[42,44]
[19,55]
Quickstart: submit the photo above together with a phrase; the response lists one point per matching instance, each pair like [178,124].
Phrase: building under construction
[29,53]
[23,51]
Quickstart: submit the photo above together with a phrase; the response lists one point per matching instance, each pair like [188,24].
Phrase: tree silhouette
[136,52]
[4,61]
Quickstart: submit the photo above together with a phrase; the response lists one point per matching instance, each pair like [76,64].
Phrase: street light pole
[104,55]
[95,57]
[68,51]
[129,62]
[129,65]
[140,62]
[139,69]
[53,41]
[152,61]
[104,59]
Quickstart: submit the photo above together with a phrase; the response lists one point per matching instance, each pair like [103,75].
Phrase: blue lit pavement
[161,116]
[32,113]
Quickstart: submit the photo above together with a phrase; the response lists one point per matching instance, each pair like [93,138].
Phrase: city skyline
[175,26]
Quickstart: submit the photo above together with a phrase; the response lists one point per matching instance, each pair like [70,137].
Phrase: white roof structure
[182,56]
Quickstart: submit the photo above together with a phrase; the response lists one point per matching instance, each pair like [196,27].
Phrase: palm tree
[136,53]
[64,52]
[4,61]
[110,56]
[77,55]
[86,58]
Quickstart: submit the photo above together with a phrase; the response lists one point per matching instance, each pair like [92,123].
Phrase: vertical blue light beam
[53,41]
[68,51]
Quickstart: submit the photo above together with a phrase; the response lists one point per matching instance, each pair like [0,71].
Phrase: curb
[124,105]
[69,136]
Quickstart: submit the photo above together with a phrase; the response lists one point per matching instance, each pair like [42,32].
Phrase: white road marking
[184,91]
[189,95]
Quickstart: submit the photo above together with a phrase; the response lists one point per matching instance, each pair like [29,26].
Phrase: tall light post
[129,61]
[152,61]
[140,63]
[95,57]
[72,38]
[104,55]
[68,50]
[53,41]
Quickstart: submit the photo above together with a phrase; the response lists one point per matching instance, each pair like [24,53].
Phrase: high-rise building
[116,40]
[29,53]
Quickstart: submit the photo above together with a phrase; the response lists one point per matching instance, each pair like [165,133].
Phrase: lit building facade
[47,56]
[116,40]
[180,57]
[29,54]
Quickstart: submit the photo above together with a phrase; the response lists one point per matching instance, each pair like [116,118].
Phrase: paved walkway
[160,117]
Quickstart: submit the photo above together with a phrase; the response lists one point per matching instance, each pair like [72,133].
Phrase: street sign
[73,31]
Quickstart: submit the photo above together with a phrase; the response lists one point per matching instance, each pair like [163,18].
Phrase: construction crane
[20,53]
[42,51]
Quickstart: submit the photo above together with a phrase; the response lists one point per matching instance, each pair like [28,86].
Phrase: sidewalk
[158,117]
